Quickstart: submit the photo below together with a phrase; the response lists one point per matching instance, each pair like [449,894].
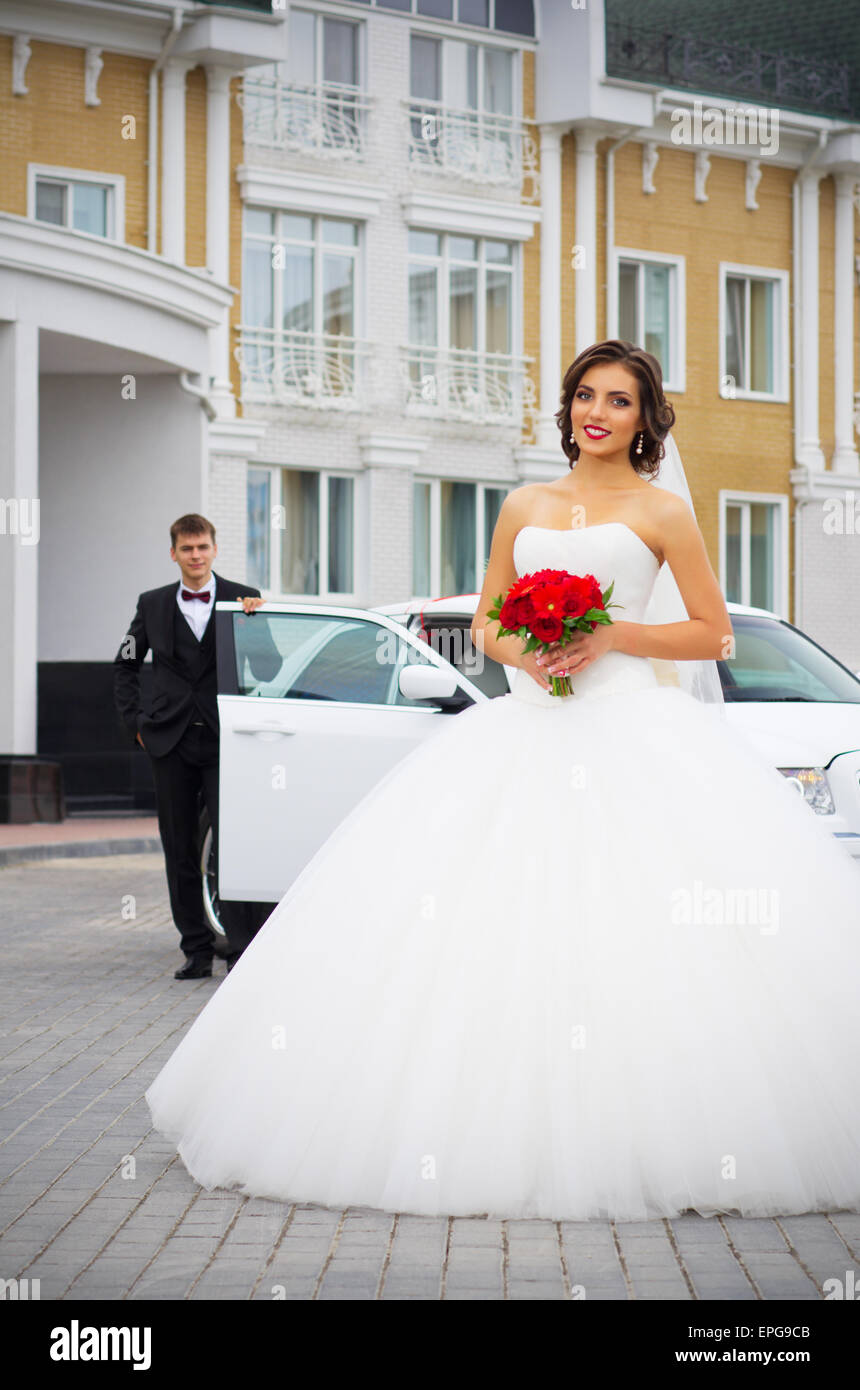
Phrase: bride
[574,957]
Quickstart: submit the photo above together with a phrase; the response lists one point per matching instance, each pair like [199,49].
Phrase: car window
[453,641]
[775,662]
[324,658]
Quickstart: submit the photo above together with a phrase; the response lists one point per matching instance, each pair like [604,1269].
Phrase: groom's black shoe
[195,968]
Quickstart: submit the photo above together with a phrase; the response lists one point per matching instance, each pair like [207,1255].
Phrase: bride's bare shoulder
[519,496]
[667,508]
[520,503]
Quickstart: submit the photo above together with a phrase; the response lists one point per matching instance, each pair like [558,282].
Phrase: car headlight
[813,786]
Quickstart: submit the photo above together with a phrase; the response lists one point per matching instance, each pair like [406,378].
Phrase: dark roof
[802,55]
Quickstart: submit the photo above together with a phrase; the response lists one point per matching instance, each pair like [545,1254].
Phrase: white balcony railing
[480,387]
[475,145]
[326,118]
[285,367]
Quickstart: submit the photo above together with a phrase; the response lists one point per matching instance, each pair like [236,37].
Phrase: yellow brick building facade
[201,126]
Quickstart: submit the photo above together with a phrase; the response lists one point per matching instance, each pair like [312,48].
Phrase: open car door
[313,714]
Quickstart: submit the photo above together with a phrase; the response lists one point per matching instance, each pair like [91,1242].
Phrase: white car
[359,688]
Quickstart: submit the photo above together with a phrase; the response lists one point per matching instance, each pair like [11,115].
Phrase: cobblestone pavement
[95,1205]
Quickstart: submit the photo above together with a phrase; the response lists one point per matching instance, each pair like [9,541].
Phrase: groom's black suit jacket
[184,676]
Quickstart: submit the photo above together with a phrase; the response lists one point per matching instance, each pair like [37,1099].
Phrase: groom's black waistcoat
[198,660]
[184,672]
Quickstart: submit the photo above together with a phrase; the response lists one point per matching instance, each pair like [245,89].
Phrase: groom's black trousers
[190,767]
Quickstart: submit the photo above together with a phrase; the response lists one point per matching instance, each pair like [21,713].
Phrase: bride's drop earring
[639,445]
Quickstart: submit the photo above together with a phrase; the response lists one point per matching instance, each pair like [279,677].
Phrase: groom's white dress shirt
[194,609]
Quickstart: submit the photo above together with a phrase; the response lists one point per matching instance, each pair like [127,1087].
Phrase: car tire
[208,883]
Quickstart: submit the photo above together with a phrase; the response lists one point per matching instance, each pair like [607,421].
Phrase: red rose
[596,592]
[576,597]
[547,628]
[516,612]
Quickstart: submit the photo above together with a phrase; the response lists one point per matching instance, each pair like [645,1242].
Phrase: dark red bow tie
[196,593]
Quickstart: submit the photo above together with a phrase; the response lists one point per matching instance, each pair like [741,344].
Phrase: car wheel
[209,883]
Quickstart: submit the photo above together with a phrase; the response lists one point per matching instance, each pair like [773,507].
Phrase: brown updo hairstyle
[657,412]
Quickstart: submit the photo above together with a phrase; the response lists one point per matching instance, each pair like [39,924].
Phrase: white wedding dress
[516,980]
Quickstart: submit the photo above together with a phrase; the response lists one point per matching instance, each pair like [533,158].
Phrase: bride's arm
[499,577]
[707,633]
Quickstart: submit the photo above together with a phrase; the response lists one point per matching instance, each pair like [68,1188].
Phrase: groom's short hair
[192,524]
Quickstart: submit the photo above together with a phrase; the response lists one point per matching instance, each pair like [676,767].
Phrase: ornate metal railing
[480,387]
[325,118]
[475,145]
[689,61]
[290,368]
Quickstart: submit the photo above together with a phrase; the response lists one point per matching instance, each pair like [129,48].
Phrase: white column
[550,285]
[845,457]
[173,160]
[218,225]
[384,501]
[19,534]
[586,238]
[809,446]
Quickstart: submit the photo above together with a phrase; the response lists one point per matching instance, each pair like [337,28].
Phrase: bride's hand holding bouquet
[556,614]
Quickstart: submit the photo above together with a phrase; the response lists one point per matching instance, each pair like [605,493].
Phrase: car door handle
[262,729]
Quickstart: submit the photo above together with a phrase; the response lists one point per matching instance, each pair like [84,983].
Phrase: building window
[464,111]
[459,361]
[453,525]
[312,101]
[460,292]
[753,333]
[754,550]
[650,310]
[299,309]
[82,201]
[301,532]
[466,76]
[505,16]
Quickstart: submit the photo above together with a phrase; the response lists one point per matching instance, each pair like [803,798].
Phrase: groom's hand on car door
[250,603]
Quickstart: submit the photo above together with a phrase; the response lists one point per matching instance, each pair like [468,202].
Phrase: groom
[181,734]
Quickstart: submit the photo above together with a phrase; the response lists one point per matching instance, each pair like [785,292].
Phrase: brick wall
[735,444]
[195,167]
[52,125]
[312,439]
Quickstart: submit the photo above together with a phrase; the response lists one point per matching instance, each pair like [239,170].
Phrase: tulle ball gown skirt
[572,958]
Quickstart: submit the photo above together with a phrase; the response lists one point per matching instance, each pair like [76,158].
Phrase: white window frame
[359,277]
[320,13]
[319,247]
[325,595]
[443,297]
[780,332]
[735,497]
[436,521]
[442,26]
[115,183]
[422,30]
[675,373]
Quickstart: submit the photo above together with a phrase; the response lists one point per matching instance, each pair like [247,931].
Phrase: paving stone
[78,1068]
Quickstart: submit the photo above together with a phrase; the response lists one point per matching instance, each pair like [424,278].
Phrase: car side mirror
[418,682]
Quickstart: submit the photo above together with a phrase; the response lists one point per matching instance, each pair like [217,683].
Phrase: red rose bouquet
[546,607]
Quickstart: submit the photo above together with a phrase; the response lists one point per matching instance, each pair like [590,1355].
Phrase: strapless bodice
[612,552]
